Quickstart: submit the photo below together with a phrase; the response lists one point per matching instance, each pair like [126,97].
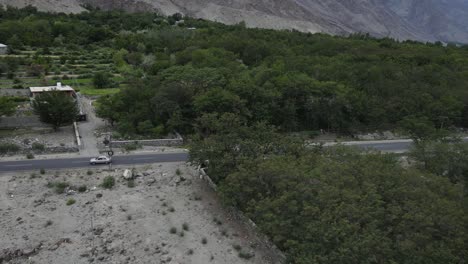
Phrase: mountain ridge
[422,20]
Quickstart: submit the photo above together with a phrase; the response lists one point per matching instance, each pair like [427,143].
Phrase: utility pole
[108,142]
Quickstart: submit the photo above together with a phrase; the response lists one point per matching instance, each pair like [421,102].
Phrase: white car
[100,160]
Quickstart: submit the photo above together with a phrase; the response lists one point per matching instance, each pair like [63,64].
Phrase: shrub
[71,201]
[89,172]
[204,241]
[30,156]
[131,183]
[171,209]
[133,146]
[173,230]
[108,182]
[82,188]
[42,171]
[7,147]
[178,172]
[237,247]
[181,234]
[190,252]
[38,146]
[59,187]
[185,226]
[245,255]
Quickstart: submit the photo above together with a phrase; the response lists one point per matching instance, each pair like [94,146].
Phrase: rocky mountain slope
[427,20]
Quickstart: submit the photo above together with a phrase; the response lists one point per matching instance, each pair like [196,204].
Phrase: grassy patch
[82,188]
[108,182]
[8,147]
[71,201]
[59,187]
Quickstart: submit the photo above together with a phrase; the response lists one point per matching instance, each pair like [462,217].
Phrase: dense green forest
[292,80]
[236,91]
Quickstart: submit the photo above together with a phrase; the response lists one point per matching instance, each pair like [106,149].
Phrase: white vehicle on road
[100,160]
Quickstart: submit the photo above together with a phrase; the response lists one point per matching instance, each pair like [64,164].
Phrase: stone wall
[172,142]
[14,92]
[47,150]
[21,121]
[280,258]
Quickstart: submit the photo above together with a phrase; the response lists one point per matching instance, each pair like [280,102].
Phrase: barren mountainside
[427,20]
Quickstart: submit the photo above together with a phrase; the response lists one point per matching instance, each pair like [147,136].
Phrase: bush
[204,241]
[173,230]
[108,182]
[185,226]
[42,171]
[7,147]
[30,156]
[38,146]
[133,146]
[102,80]
[245,255]
[89,172]
[59,187]
[82,188]
[178,172]
[71,201]
[131,183]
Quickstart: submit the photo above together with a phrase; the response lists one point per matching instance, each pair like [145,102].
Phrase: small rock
[151,181]
[127,174]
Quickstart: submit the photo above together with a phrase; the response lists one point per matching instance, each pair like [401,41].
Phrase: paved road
[396,146]
[9,166]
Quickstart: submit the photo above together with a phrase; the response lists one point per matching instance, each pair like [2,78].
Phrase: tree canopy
[55,108]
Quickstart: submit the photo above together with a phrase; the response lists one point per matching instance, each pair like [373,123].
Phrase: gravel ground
[121,225]
[47,136]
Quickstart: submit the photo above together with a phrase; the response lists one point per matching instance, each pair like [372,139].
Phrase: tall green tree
[102,80]
[345,207]
[55,108]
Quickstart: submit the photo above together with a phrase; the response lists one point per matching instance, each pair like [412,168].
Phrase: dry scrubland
[168,216]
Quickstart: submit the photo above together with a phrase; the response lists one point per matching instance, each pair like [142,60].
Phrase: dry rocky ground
[46,136]
[169,216]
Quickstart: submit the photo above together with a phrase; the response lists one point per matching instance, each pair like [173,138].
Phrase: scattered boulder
[128,175]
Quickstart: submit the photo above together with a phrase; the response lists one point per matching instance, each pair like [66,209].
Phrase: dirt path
[87,129]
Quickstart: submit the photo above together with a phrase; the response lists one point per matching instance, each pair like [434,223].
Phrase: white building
[3,49]
[35,91]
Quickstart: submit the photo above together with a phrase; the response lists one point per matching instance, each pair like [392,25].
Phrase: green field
[74,68]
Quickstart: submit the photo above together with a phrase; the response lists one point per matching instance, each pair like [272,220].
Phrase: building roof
[62,88]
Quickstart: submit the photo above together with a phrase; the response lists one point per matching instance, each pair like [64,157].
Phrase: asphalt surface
[23,165]
[394,146]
